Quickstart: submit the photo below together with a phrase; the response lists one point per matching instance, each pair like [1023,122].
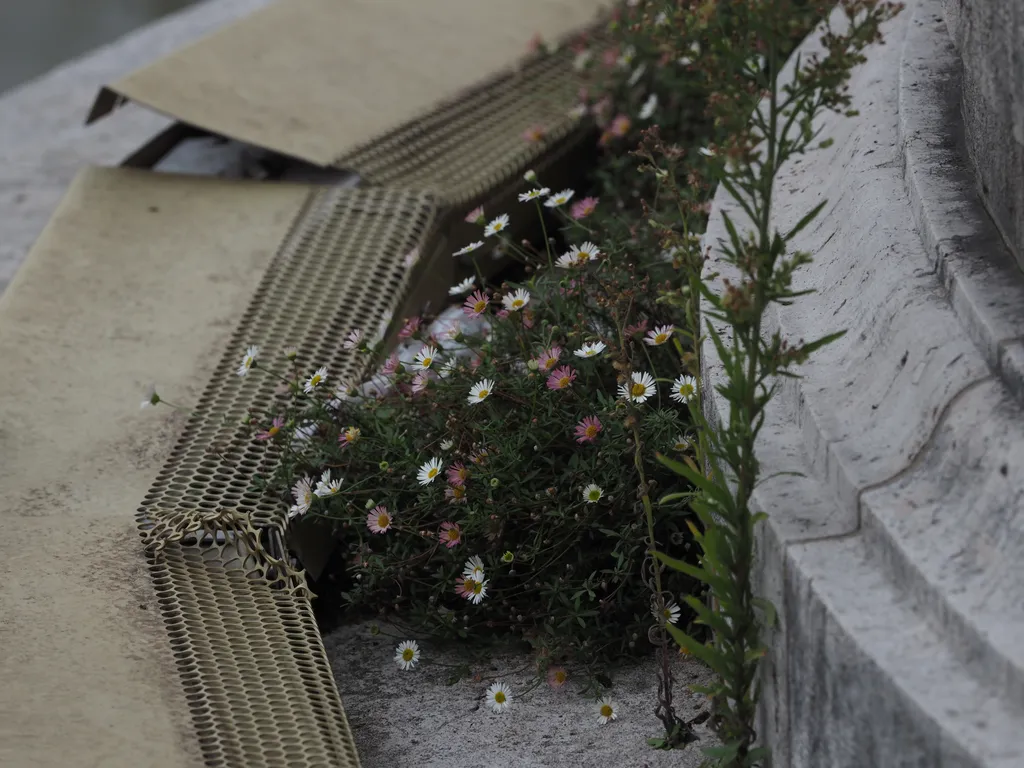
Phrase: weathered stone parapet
[893,559]
[989,35]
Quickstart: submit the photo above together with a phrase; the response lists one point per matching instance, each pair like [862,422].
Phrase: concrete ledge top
[139,277]
[908,432]
[43,139]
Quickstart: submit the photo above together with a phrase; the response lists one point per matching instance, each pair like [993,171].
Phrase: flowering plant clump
[484,479]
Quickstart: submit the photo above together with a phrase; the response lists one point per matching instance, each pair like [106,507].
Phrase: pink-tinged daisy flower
[513,302]
[457,474]
[583,208]
[353,340]
[476,216]
[420,381]
[391,365]
[272,430]
[412,325]
[534,134]
[528,319]
[659,335]
[502,313]
[453,331]
[557,677]
[548,359]
[379,519]
[588,429]
[561,378]
[632,330]
[349,437]
[465,587]
[620,126]
[451,534]
[499,224]
[455,494]
[476,304]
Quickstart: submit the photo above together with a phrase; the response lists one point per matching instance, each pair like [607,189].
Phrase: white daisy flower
[465,285]
[661,18]
[327,487]
[354,339]
[448,368]
[516,301]
[429,471]
[561,198]
[447,445]
[151,398]
[648,108]
[590,350]
[706,152]
[498,697]
[302,492]
[290,353]
[407,654]
[681,444]
[637,74]
[530,176]
[606,711]
[475,245]
[639,389]
[474,569]
[578,112]
[669,614]
[248,359]
[425,358]
[566,261]
[314,381]
[496,226]
[658,336]
[684,389]
[582,60]
[584,253]
[533,194]
[480,391]
[592,493]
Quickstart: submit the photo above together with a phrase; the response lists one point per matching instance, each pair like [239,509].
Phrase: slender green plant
[765,122]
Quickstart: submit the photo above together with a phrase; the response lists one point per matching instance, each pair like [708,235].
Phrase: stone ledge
[886,560]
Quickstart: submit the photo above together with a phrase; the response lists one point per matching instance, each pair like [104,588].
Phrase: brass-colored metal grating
[468,148]
[242,631]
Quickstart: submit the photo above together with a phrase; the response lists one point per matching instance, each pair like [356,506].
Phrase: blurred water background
[37,35]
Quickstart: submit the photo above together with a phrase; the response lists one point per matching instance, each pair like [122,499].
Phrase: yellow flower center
[453,534]
[499,697]
[427,361]
[638,389]
[686,390]
[315,380]
[606,710]
[407,654]
[563,382]
[383,521]
[517,303]
[594,495]
[478,587]
[480,306]
[482,394]
[591,431]
[273,431]
[661,338]
[560,676]
[432,472]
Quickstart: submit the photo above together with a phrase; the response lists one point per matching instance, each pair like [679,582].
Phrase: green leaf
[725,752]
[705,653]
[813,346]
[757,755]
[698,479]
[768,609]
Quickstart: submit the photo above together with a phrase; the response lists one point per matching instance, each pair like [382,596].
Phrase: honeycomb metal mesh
[256,676]
[469,147]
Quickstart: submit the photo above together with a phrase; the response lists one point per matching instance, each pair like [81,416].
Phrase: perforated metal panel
[469,148]
[256,677]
